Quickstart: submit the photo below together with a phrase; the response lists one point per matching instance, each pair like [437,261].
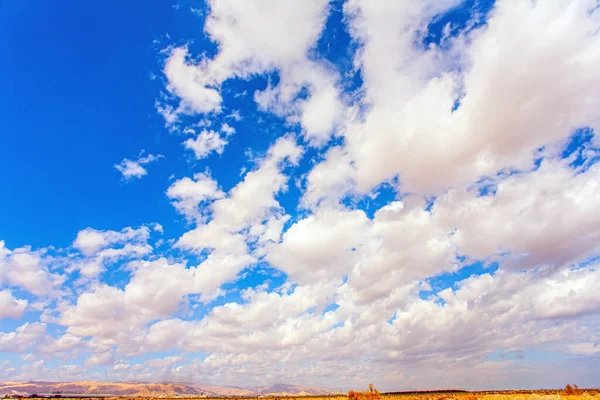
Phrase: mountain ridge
[151,389]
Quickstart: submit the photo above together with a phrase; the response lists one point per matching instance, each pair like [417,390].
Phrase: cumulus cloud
[11,307]
[411,128]
[320,247]
[99,249]
[130,169]
[205,143]
[89,241]
[250,201]
[28,270]
[129,308]
[544,217]
[330,180]
[187,194]
[23,338]
[232,216]
[227,129]
[62,344]
[106,358]
[268,321]
[319,113]
[187,82]
[243,32]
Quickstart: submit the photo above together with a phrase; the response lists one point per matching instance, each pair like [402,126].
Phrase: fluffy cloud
[411,129]
[236,26]
[205,143]
[329,180]
[232,217]
[319,113]
[11,307]
[187,194]
[134,168]
[89,241]
[131,307]
[268,321]
[544,217]
[250,202]
[188,82]
[320,247]
[243,32]
[23,339]
[101,248]
[28,270]
[62,344]
[106,358]
[293,329]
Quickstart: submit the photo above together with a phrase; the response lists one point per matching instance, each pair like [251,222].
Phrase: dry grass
[371,394]
[532,395]
[571,392]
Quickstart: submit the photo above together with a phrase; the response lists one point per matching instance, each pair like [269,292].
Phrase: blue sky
[319,193]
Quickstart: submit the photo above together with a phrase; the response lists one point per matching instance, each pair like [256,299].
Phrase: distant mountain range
[137,389]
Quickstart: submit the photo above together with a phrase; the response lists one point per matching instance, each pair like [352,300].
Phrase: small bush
[371,394]
[572,389]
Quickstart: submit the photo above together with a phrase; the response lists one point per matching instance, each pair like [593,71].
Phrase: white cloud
[545,217]
[227,129]
[89,241]
[586,348]
[187,194]
[319,113]
[232,216]
[409,128]
[189,83]
[249,201]
[62,344]
[565,295]
[101,248]
[289,329]
[268,321]
[235,115]
[158,228]
[134,169]
[329,180]
[40,371]
[165,362]
[28,269]
[320,248]
[23,338]
[130,309]
[244,33]
[27,357]
[91,268]
[100,359]
[205,143]
[11,307]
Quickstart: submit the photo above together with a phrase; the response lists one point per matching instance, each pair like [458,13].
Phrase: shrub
[371,394]
[572,389]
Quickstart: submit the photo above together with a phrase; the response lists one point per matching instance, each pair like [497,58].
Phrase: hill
[140,389]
